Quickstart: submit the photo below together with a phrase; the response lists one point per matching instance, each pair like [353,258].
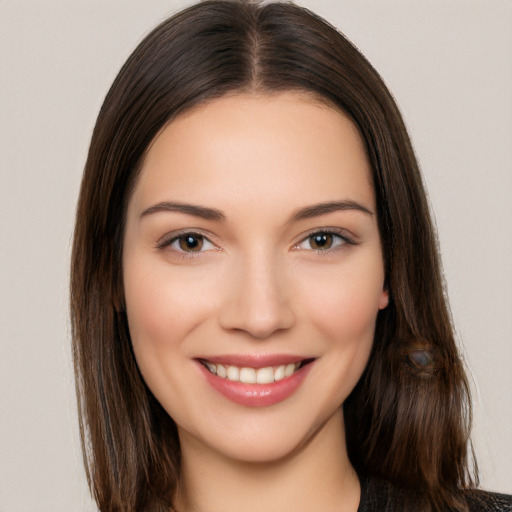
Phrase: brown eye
[190,242]
[321,241]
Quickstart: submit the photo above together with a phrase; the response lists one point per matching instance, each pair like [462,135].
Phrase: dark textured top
[380,496]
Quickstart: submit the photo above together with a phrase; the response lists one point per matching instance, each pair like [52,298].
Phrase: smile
[255,381]
[248,375]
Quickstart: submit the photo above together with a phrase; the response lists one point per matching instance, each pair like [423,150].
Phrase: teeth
[279,373]
[246,375]
[233,373]
[211,367]
[289,369]
[221,371]
[265,375]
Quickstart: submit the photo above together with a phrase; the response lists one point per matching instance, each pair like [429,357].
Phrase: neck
[316,477]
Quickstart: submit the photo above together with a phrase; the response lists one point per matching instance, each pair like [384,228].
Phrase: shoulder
[482,501]
[378,495]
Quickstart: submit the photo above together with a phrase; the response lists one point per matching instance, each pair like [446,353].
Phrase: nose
[257,299]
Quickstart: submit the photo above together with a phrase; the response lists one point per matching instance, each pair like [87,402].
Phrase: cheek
[345,304]
[344,315]
[147,305]
[343,310]
[162,308]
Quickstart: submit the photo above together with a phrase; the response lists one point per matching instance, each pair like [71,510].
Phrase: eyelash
[343,240]
[169,240]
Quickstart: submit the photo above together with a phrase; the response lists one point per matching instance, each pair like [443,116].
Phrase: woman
[255,282]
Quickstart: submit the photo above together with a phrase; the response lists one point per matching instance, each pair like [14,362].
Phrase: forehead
[283,147]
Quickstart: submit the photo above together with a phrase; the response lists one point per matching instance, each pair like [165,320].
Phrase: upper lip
[255,360]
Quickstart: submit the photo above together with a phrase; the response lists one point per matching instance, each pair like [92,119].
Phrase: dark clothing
[381,496]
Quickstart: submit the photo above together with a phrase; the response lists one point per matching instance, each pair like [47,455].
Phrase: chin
[266,440]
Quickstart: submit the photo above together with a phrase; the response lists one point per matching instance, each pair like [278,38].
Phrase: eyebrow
[189,209]
[317,210]
[206,213]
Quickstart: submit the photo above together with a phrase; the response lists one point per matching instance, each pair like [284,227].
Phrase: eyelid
[341,233]
[171,237]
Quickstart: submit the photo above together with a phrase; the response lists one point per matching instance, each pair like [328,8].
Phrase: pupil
[191,242]
[322,241]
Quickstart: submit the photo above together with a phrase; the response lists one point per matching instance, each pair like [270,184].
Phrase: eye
[188,243]
[323,241]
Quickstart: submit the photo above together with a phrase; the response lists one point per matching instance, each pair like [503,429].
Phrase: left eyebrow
[317,210]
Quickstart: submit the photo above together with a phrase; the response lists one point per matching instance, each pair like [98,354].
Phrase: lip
[256,395]
[255,360]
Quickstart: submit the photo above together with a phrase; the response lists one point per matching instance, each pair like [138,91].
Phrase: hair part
[408,418]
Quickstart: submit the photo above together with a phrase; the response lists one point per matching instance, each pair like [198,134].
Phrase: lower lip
[257,395]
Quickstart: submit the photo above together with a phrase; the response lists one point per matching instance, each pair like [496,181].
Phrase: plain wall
[449,65]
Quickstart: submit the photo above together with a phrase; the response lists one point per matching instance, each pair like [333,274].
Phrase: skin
[258,285]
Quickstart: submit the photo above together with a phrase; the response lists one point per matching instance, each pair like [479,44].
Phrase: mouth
[256,380]
[254,375]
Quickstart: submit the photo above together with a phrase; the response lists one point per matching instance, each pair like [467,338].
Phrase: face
[253,271]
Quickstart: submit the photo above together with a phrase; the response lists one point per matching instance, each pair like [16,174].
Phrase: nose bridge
[258,302]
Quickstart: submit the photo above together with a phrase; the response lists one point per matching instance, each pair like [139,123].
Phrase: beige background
[449,64]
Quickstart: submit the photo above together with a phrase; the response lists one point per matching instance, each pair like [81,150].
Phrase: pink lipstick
[255,380]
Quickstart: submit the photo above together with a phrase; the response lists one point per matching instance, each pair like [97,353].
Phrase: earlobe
[384,299]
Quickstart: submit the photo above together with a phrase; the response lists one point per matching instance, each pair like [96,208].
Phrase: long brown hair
[408,418]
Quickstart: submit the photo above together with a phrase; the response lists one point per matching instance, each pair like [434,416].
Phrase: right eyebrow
[189,209]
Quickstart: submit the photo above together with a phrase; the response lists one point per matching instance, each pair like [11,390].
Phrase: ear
[384,298]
